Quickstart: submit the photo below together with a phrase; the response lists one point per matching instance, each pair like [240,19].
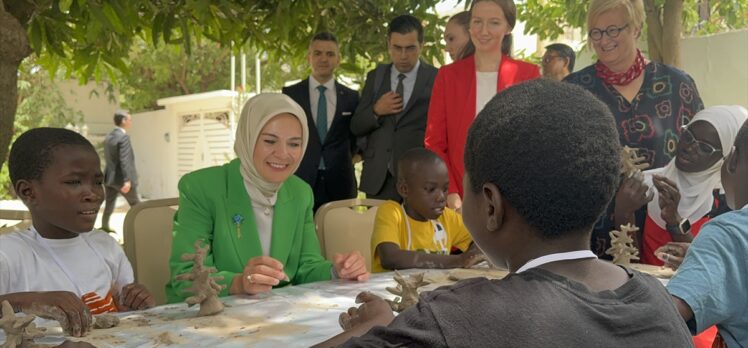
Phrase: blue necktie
[322,114]
[322,120]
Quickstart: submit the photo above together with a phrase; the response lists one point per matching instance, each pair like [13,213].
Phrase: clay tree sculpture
[406,290]
[204,287]
[631,162]
[19,331]
[622,245]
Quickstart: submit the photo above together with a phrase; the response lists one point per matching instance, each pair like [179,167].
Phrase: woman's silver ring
[249,279]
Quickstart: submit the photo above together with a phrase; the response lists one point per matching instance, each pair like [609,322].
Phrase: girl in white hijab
[684,188]
[226,206]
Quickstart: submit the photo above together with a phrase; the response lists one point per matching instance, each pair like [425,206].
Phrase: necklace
[623,78]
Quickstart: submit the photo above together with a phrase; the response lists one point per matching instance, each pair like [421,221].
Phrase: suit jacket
[338,146]
[212,199]
[389,136]
[120,159]
[452,109]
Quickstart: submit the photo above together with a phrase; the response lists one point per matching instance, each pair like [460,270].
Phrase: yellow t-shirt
[391,226]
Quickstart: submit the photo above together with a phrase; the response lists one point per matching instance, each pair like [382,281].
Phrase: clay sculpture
[406,290]
[204,287]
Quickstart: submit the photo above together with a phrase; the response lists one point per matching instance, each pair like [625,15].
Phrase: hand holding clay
[672,253]
[135,297]
[62,306]
[351,266]
[373,311]
[472,257]
[260,275]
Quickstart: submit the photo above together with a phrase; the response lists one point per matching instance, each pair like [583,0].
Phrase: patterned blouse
[667,99]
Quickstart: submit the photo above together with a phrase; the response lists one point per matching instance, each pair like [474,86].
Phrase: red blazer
[452,109]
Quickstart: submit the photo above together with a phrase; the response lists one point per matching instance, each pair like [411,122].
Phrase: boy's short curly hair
[31,153]
[552,149]
[416,155]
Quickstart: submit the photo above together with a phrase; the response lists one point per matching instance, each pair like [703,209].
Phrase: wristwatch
[682,228]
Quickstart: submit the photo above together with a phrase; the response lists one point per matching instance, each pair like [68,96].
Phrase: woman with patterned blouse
[650,101]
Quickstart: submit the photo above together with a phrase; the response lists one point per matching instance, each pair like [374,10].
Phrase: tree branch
[671,31]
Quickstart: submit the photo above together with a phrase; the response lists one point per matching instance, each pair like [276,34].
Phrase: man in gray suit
[394,106]
[120,175]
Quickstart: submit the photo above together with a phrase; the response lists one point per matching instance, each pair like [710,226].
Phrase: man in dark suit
[327,165]
[394,108]
[120,175]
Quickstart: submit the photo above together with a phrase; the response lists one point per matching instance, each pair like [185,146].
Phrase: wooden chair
[148,235]
[346,225]
[22,216]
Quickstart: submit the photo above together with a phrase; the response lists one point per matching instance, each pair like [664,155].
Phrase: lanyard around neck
[440,235]
[570,255]
[65,270]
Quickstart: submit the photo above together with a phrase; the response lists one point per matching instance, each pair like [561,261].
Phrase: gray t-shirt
[536,308]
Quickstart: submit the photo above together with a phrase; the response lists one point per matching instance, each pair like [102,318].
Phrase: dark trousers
[326,191]
[388,190]
[111,197]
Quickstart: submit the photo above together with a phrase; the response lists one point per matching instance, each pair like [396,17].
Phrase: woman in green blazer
[255,215]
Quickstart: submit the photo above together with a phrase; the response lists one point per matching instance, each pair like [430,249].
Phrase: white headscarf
[696,189]
[256,112]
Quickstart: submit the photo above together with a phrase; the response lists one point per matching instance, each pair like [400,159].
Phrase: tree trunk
[664,25]
[654,30]
[15,47]
[671,31]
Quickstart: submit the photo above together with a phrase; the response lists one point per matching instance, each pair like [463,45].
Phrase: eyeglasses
[703,148]
[612,32]
[548,59]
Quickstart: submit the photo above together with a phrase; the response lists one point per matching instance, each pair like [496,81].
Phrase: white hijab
[256,112]
[696,189]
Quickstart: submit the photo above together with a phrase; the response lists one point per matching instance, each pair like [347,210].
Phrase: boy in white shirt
[60,267]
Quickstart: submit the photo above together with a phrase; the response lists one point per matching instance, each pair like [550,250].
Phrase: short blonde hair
[634,11]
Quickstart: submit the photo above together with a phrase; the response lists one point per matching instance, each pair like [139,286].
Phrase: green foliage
[93,38]
[40,105]
[549,18]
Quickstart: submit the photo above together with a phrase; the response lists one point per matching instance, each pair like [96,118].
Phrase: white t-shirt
[485,88]
[27,265]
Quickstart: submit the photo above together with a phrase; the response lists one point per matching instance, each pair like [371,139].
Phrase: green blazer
[211,199]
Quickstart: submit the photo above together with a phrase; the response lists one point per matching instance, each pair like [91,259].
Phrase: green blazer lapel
[239,213]
[285,219]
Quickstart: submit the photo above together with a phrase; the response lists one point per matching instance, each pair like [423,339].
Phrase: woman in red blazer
[462,88]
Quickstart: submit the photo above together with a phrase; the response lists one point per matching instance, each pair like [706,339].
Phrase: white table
[294,316]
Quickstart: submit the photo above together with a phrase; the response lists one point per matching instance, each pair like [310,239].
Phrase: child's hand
[135,297]
[471,258]
[62,306]
[351,266]
[672,253]
[373,311]
[632,194]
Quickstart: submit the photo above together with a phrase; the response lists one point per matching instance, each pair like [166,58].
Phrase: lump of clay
[406,290]
[204,287]
[19,331]
[631,162]
[622,245]
[105,321]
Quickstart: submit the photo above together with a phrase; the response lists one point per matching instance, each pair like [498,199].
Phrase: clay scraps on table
[622,245]
[19,331]
[204,287]
[105,321]
[406,290]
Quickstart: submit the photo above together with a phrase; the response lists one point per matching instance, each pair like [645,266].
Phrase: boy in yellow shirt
[421,232]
